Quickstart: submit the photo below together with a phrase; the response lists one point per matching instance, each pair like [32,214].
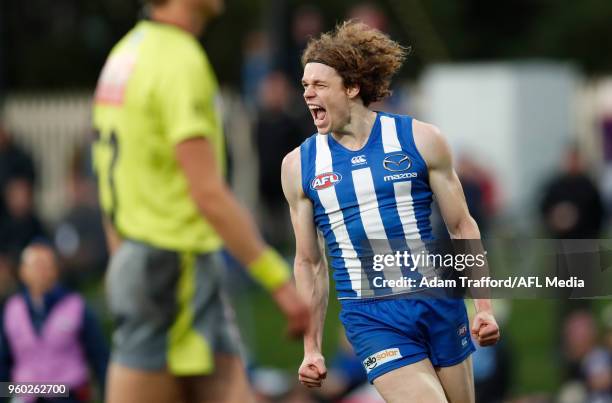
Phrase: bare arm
[444,182]
[231,221]
[216,201]
[310,268]
[447,189]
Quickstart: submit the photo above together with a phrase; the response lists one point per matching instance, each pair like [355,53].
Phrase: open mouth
[318,114]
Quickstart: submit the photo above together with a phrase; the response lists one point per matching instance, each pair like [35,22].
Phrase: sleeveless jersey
[365,200]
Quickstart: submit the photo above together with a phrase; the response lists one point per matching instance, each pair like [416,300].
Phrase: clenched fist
[313,370]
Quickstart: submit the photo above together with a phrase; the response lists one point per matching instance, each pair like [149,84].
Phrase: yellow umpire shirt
[156,89]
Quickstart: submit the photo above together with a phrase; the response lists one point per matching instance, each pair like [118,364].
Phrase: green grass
[532,333]
[263,329]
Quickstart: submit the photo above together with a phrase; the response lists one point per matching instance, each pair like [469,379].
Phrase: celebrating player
[369,176]
[168,211]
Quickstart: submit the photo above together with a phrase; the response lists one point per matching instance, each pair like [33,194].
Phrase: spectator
[597,370]
[79,236]
[14,162]
[579,339]
[589,365]
[370,14]
[21,224]
[492,372]
[47,333]
[7,282]
[256,65]
[572,207]
[307,23]
[278,130]
[479,188]
[18,222]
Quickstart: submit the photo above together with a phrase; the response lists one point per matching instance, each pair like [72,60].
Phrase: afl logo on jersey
[323,181]
[397,162]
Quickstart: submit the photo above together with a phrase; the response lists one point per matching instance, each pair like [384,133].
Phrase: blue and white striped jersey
[380,193]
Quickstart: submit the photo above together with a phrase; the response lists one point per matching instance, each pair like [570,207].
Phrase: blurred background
[522,89]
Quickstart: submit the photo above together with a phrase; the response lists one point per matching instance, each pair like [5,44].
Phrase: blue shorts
[387,334]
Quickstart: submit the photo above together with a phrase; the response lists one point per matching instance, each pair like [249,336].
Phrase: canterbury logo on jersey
[381,357]
[359,160]
[325,180]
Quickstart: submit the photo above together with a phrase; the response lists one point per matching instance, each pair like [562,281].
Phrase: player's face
[326,97]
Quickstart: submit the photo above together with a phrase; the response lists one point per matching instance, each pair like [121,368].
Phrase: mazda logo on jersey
[397,162]
[323,181]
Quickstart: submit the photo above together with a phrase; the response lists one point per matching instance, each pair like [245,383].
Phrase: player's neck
[173,13]
[357,132]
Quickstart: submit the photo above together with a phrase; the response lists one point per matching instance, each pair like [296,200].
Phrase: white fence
[50,127]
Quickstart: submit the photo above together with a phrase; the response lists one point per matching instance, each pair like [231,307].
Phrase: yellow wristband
[270,270]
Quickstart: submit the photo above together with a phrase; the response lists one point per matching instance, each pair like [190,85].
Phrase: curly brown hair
[361,55]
